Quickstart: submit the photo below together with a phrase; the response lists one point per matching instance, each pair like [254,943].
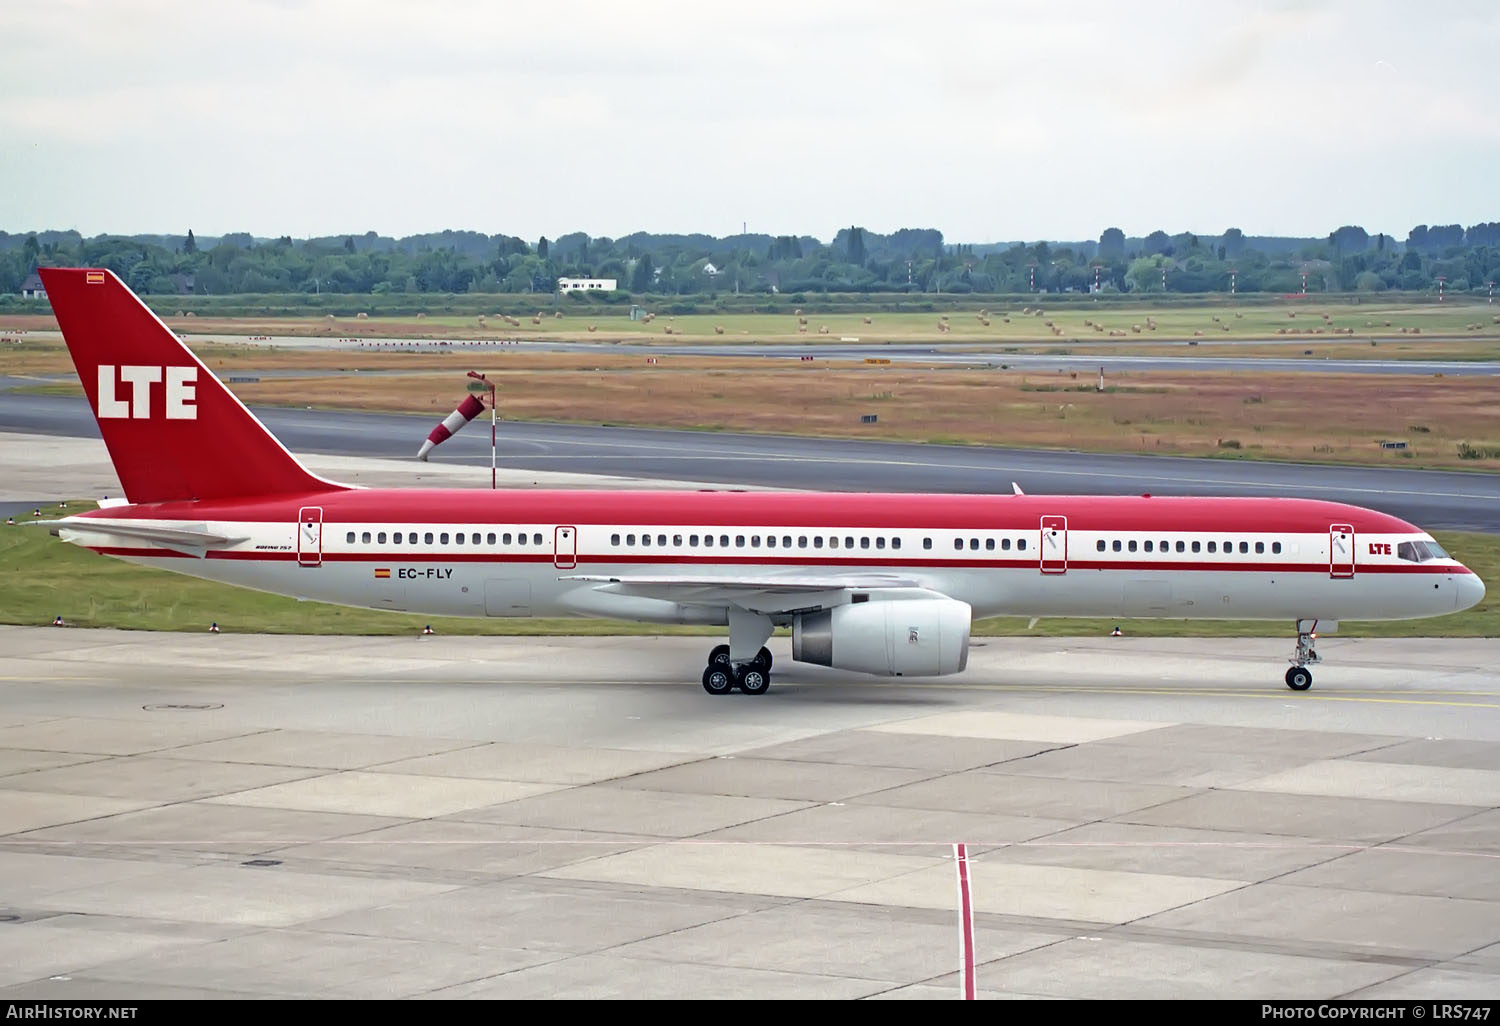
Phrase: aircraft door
[1340,550]
[565,548]
[1053,552]
[310,536]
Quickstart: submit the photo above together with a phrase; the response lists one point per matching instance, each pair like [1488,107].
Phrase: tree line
[856,260]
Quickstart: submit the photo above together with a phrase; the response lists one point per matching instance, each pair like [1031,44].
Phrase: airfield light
[1440,279]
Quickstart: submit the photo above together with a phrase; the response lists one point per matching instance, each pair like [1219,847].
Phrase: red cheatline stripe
[711,559]
[965,923]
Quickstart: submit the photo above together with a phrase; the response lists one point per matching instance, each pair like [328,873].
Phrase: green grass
[42,577]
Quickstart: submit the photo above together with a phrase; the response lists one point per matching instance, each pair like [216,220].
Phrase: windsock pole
[481,377]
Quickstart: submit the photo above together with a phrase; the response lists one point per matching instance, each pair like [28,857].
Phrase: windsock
[467,410]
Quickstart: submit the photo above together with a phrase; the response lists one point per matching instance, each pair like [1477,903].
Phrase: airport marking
[965,924]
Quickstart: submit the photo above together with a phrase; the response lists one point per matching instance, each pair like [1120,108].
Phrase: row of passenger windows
[755,541]
[445,538]
[1165,546]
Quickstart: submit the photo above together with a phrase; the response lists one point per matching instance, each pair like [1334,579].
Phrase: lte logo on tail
[179,395]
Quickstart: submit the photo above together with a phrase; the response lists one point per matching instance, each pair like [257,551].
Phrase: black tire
[762,660]
[718,681]
[752,680]
[719,656]
[1299,678]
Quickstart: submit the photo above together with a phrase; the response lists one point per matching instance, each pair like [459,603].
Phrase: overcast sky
[987,120]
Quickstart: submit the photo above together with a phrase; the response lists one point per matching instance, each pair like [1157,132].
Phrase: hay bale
[556,313]
[822,329]
[361,316]
[868,321]
[718,330]
[1136,328]
[536,320]
[421,315]
[592,327]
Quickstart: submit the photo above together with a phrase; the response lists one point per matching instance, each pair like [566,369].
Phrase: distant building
[32,287]
[710,270]
[184,284]
[586,284]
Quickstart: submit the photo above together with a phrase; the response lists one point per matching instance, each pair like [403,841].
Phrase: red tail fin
[172,428]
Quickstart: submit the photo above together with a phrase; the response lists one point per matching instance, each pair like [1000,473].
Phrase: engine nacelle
[896,638]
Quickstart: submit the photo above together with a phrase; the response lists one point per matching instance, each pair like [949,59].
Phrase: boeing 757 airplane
[885,584]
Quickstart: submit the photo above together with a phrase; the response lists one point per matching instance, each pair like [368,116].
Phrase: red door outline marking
[310,536]
[1340,550]
[1052,556]
[565,548]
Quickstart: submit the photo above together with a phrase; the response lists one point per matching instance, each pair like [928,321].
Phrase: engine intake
[891,638]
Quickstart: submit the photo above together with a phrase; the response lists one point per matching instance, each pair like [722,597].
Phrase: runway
[1431,499]
[231,816]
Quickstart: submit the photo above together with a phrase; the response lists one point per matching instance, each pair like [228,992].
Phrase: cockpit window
[1420,551]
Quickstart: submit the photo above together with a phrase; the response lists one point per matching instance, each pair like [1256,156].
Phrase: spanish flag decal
[94,277]
[382,572]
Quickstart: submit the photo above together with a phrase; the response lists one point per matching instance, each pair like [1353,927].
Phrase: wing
[756,594]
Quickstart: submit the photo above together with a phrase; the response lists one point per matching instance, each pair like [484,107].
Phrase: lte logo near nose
[179,394]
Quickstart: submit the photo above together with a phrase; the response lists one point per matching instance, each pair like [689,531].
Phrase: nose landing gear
[1299,677]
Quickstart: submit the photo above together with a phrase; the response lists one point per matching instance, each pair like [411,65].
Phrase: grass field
[1301,318]
[44,577]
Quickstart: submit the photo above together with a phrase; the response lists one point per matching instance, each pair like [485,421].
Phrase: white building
[585,284]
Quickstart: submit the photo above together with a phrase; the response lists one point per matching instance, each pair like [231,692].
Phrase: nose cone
[1470,591]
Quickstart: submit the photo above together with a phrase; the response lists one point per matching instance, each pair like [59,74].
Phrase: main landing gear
[722,676]
[1299,677]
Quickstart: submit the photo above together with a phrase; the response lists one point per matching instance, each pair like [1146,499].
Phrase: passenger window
[1021,544]
[786,541]
[1005,544]
[614,539]
[989,545]
[817,541]
[1148,546]
[1131,546]
[926,543]
[708,541]
[443,538]
[1260,547]
[723,541]
[693,540]
[521,538]
[755,541]
[739,541]
[646,540]
[802,541]
[677,539]
[489,539]
[770,541]
[958,544]
[537,538]
[350,538]
[1228,546]
[1181,547]
[1197,546]
[505,538]
[458,539]
[1212,547]
[661,539]
[1101,544]
[1276,548]
[895,543]
[974,544]
[629,539]
[427,537]
[380,537]
[848,543]
[1244,548]
[880,543]
[365,538]
[1117,545]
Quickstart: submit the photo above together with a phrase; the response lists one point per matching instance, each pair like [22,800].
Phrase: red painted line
[965,923]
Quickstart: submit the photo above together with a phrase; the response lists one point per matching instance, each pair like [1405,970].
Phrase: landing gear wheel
[1299,678]
[719,656]
[717,680]
[762,660]
[752,680]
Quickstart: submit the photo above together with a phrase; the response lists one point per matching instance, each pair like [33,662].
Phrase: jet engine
[924,637]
